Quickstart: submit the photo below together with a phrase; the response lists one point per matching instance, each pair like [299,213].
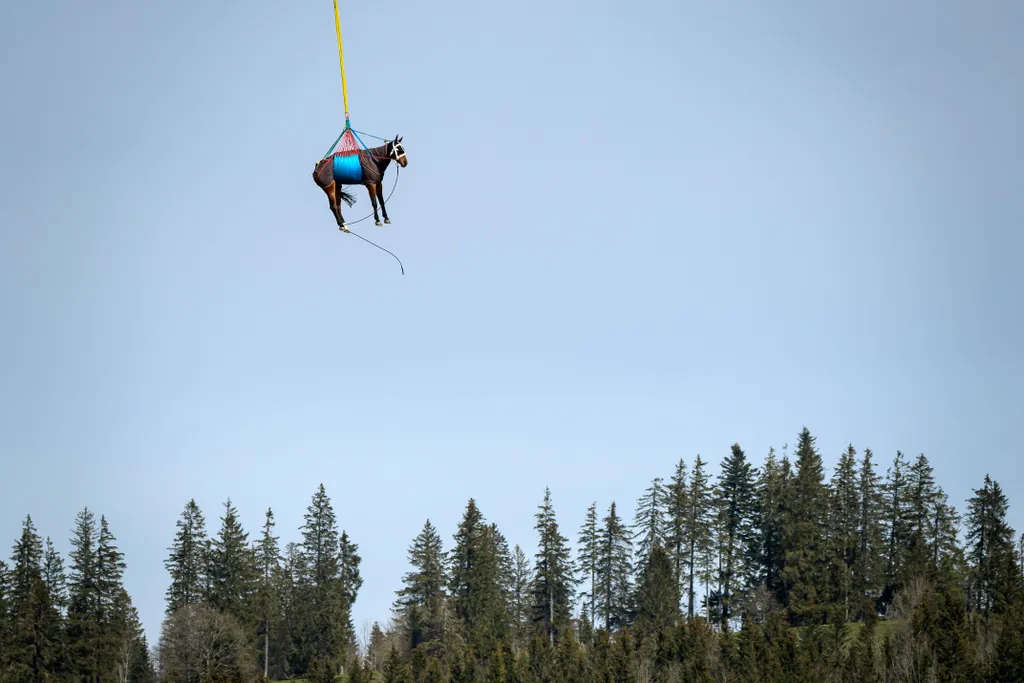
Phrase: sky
[631,232]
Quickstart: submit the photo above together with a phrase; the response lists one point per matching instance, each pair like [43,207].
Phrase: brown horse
[372,164]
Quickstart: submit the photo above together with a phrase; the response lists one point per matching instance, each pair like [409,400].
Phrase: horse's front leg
[372,189]
[383,209]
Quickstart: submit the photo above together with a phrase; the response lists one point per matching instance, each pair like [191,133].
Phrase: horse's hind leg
[372,189]
[383,209]
[334,196]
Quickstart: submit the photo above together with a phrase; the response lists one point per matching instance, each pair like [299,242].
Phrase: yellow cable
[341,59]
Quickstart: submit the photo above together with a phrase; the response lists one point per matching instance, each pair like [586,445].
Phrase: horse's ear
[399,139]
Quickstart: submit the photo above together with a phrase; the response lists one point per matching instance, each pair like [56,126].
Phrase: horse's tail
[347,196]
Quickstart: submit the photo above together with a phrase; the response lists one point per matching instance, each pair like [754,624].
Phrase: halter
[393,153]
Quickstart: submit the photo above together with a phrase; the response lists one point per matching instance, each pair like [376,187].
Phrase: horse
[365,167]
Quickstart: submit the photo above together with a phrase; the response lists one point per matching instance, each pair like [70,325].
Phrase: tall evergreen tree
[232,568]
[325,636]
[990,549]
[922,499]
[657,599]
[650,524]
[33,646]
[699,526]
[677,509]
[350,580]
[868,568]
[474,579]
[267,596]
[806,551]
[844,531]
[553,584]
[54,576]
[587,558]
[897,526]
[522,582]
[425,586]
[737,495]
[187,560]
[771,491]
[614,570]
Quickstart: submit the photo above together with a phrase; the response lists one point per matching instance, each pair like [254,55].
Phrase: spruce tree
[657,595]
[425,586]
[553,584]
[990,550]
[587,557]
[844,531]
[33,646]
[350,579]
[614,570]
[868,571]
[806,551]
[700,522]
[649,526]
[325,632]
[232,568]
[897,527]
[187,560]
[771,491]
[474,579]
[267,596]
[676,510]
[522,581]
[922,496]
[737,498]
[54,576]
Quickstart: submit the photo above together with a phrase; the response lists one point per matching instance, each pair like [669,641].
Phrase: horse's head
[397,152]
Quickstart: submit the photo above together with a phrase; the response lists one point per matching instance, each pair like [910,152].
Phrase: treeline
[753,574]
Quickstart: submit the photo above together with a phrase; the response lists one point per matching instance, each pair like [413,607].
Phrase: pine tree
[650,527]
[614,570]
[587,557]
[806,580]
[187,560]
[554,584]
[700,522]
[232,568]
[677,510]
[737,496]
[267,595]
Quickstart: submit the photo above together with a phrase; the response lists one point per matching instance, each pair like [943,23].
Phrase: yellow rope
[341,58]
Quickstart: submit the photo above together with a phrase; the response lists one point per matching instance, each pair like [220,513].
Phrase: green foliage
[765,549]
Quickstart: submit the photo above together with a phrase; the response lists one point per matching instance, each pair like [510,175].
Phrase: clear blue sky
[632,232]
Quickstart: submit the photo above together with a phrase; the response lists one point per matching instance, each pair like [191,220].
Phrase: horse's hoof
[378,222]
[344,228]
[388,221]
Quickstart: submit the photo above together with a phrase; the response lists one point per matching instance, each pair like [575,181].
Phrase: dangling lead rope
[379,247]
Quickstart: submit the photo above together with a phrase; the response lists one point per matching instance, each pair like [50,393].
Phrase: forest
[777,571]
